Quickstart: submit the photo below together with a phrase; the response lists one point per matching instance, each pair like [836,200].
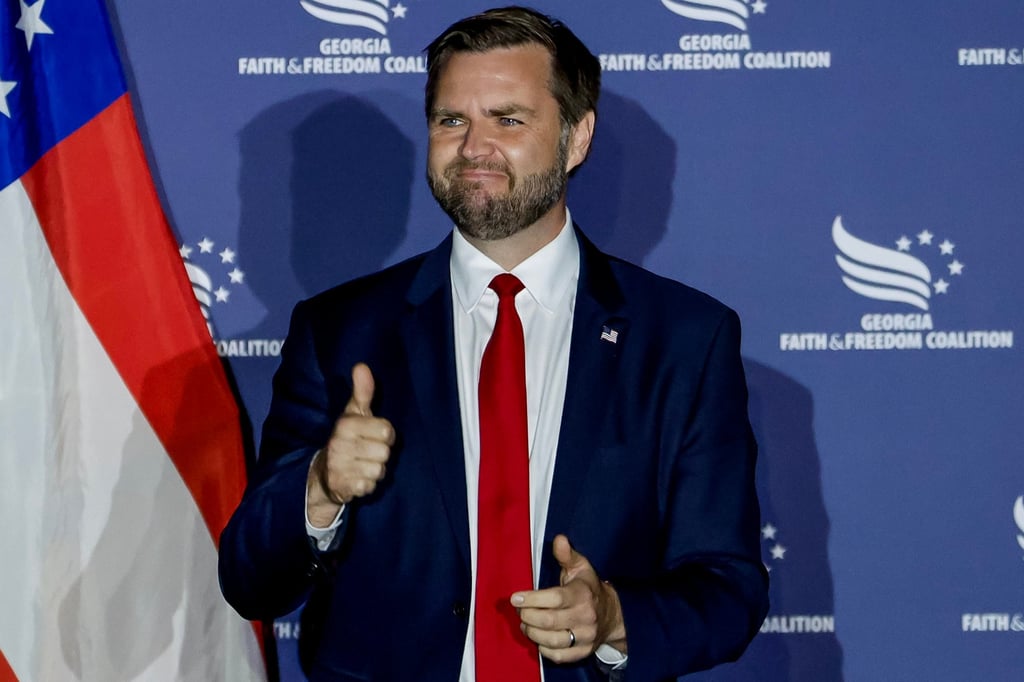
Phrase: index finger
[550,598]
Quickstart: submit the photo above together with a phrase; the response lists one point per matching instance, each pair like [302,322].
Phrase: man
[635,548]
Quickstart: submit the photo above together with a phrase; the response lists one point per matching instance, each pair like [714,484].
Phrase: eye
[508,121]
[449,122]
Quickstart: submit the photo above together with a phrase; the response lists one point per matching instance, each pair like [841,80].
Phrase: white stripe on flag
[107,571]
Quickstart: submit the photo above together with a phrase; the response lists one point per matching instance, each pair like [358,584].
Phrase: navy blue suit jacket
[653,483]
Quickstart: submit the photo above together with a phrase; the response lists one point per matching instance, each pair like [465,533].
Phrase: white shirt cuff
[321,536]
[611,656]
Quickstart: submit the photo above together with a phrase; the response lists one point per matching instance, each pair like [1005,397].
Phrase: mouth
[478,172]
[479,175]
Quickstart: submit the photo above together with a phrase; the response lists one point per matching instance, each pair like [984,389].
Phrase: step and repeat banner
[849,176]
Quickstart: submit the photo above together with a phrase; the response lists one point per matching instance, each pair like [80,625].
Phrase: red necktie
[504,559]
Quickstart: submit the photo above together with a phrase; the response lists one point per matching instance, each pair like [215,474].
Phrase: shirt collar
[547,274]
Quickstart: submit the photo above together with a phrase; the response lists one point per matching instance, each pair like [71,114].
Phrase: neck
[514,249]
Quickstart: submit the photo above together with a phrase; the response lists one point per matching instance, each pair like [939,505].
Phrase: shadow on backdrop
[324,186]
[622,195]
[325,183]
[789,487]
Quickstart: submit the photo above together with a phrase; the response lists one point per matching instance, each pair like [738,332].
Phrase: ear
[579,140]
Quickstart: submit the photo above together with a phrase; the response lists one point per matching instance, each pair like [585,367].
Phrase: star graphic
[946,248]
[956,268]
[399,11]
[185,250]
[5,89]
[222,294]
[227,256]
[31,21]
[778,552]
[941,286]
[768,531]
[924,237]
[903,244]
[206,246]
[758,6]
[237,276]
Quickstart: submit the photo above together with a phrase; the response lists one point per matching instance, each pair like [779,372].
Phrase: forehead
[523,70]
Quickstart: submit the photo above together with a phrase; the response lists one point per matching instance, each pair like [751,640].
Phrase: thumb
[362,391]
[571,561]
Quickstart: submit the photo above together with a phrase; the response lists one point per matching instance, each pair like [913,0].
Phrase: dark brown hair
[575,72]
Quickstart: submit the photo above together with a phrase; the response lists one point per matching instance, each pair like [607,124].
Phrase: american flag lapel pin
[610,335]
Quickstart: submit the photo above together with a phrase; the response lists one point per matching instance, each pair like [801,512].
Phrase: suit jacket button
[459,609]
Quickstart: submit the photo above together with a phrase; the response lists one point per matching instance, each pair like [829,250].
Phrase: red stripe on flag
[101,216]
[6,673]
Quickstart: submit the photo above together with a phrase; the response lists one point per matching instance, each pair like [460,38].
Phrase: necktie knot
[506,285]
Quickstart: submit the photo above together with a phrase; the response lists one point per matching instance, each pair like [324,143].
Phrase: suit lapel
[428,335]
[429,342]
[599,332]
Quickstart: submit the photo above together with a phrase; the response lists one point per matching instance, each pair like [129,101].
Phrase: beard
[487,217]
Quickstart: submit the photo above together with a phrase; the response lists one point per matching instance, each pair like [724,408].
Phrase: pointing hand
[571,621]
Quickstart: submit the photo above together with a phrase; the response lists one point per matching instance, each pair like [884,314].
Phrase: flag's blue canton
[61,82]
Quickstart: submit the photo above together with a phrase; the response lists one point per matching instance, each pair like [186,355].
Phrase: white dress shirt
[545,307]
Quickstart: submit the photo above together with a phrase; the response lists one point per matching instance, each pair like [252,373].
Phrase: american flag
[120,452]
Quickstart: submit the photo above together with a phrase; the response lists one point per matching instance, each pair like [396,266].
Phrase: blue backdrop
[849,176]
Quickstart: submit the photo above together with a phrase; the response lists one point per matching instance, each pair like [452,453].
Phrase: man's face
[498,160]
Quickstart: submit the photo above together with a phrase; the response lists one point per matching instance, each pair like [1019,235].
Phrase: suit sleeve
[267,563]
[710,596]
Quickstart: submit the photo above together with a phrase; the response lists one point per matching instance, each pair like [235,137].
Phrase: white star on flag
[227,256]
[205,246]
[222,294]
[956,268]
[924,237]
[778,552]
[5,89]
[903,244]
[768,532]
[31,21]
[941,286]
[237,276]
[399,11]
[759,6]
[185,251]
[946,248]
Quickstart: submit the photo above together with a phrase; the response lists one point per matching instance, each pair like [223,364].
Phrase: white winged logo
[881,273]
[199,274]
[371,14]
[732,12]
[1018,516]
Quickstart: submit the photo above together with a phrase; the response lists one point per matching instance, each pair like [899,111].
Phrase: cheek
[532,156]
[444,145]
[437,159]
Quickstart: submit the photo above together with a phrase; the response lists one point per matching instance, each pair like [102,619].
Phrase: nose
[476,142]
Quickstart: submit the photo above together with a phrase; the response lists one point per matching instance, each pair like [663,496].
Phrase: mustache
[460,165]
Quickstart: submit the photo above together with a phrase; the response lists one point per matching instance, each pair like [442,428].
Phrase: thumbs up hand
[355,458]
